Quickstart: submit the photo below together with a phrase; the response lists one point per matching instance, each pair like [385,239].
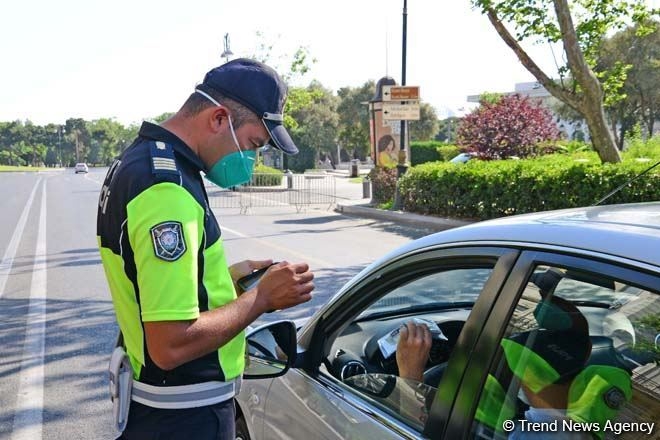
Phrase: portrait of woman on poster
[387,154]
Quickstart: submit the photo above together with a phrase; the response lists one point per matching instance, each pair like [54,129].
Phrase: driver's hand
[412,350]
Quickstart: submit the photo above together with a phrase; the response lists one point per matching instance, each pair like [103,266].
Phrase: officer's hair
[239,113]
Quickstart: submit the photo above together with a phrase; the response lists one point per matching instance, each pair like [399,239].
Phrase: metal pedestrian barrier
[276,190]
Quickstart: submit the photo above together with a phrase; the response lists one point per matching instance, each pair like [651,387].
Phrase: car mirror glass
[271,350]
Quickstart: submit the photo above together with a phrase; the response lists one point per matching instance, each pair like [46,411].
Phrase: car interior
[367,344]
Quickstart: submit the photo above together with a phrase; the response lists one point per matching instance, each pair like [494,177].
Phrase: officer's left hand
[243,268]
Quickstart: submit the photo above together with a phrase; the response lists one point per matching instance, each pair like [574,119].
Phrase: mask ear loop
[233,135]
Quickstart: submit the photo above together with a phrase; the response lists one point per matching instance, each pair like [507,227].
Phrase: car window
[441,289]
[580,353]
[364,355]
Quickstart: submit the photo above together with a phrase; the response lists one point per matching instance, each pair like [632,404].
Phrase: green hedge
[424,151]
[432,151]
[266,176]
[482,190]
[447,151]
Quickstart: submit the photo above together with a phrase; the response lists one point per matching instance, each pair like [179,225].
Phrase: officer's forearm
[173,343]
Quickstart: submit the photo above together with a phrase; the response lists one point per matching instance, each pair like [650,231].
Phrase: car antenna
[626,183]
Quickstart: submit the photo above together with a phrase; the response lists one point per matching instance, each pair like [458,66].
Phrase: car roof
[630,231]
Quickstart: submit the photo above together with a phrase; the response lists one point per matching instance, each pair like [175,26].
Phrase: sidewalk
[351,203]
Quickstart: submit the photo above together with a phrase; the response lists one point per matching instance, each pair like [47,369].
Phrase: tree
[162,117]
[78,137]
[447,129]
[512,126]
[315,130]
[427,126]
[637,48]
[354,118]
[553,21]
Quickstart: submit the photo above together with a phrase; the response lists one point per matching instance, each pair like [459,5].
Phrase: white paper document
[387,343]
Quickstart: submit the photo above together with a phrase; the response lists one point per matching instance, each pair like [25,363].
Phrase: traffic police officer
[173,292]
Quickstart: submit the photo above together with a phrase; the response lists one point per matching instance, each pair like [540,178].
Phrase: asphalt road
[57,325]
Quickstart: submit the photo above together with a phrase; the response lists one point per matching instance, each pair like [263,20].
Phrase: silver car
[545,322]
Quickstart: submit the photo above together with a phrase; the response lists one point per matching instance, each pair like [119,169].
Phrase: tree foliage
[637,50]
[313,122]
[580,25]
[354,118]
[427,126]
[512,126]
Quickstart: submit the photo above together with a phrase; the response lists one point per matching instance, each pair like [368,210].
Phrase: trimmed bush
[482,190]
[424,151]
[512,125]
[266,176]
[448,152]
[383,184]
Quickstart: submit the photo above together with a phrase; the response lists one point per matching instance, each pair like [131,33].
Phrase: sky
[135,59]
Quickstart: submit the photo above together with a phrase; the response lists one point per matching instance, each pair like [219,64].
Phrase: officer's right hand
[285,285]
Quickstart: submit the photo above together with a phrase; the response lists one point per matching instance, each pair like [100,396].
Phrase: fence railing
[272,190]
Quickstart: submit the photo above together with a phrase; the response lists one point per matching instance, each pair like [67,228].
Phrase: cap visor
[280,137]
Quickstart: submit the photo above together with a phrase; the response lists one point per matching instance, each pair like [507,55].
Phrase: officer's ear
[217,118]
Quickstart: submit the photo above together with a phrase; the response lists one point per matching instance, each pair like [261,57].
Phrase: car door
[570,338]
[313,402]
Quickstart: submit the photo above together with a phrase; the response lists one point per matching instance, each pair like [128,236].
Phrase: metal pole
[403,74]
[401,167]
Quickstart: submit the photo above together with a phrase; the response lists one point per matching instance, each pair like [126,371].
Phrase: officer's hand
[243,268]
[412,350]
[285,285]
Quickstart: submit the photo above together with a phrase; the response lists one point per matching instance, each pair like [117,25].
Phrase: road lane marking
[303,257]
[28,415]
[10,253]
[93,180]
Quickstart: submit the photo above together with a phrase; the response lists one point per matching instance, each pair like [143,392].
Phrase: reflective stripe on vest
[185,396]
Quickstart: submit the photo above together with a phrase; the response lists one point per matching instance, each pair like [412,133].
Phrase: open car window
[363,356]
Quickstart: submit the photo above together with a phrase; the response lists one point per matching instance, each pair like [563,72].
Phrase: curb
[400,217]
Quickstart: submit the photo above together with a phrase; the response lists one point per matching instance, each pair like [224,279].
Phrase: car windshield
[451,288]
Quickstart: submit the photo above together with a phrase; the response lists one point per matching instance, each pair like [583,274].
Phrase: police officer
[174,295]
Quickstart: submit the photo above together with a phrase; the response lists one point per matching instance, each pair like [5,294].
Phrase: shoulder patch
[168,240]
[162,159]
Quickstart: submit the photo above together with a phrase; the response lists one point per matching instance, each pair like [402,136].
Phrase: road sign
[400,93]
[395,126]
[397,110]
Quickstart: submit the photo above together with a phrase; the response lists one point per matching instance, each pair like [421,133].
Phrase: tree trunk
[589,103]
[601,135]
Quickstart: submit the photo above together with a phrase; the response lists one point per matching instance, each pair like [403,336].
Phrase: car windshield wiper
[420,308]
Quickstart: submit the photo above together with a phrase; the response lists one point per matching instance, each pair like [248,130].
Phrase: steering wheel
[433,375]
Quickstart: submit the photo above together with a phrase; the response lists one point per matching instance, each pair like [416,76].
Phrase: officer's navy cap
[257,87]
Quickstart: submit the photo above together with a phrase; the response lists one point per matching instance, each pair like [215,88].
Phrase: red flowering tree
[509,126]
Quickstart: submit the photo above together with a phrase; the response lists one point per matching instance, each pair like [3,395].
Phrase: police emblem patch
[168,241]
[614,398]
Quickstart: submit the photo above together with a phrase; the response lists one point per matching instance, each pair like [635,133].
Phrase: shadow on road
[327,283]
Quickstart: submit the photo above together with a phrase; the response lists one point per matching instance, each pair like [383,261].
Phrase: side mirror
[271,350]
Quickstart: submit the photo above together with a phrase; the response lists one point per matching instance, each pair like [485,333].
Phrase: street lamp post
[401,167]
[227,52]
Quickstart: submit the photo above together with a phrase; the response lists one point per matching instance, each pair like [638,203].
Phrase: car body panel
[622,241]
